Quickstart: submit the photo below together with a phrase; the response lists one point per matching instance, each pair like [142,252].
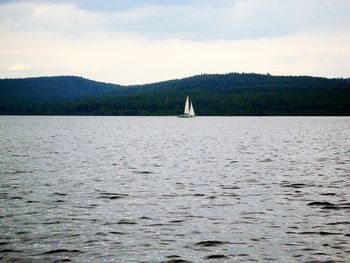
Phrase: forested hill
[212,94]
[48,89]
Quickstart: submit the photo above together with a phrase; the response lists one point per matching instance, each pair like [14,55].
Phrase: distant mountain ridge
[212,94]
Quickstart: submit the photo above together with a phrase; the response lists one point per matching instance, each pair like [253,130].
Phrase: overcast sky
[139,41]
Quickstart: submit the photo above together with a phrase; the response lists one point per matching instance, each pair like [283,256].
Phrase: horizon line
[186,77]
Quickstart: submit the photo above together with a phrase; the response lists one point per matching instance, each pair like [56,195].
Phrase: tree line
[234,94]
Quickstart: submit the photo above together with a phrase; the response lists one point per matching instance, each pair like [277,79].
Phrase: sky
[139,41]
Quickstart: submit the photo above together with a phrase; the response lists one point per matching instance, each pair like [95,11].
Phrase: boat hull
[186,116]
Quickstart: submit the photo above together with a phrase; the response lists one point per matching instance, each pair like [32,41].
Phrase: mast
[187,106]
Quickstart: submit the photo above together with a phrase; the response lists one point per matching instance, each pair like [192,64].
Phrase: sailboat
[189,111]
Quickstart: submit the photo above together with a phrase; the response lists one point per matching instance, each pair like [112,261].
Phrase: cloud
[191,20]
[18,67]
[59,19]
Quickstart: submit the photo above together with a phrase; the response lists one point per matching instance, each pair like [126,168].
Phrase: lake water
[164,189]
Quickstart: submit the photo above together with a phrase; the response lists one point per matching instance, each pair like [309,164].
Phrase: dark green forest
[232,94]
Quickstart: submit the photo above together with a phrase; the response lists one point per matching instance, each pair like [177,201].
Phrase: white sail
[191,113]
[187,106]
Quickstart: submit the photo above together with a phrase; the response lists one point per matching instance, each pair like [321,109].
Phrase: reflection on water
[163,189]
